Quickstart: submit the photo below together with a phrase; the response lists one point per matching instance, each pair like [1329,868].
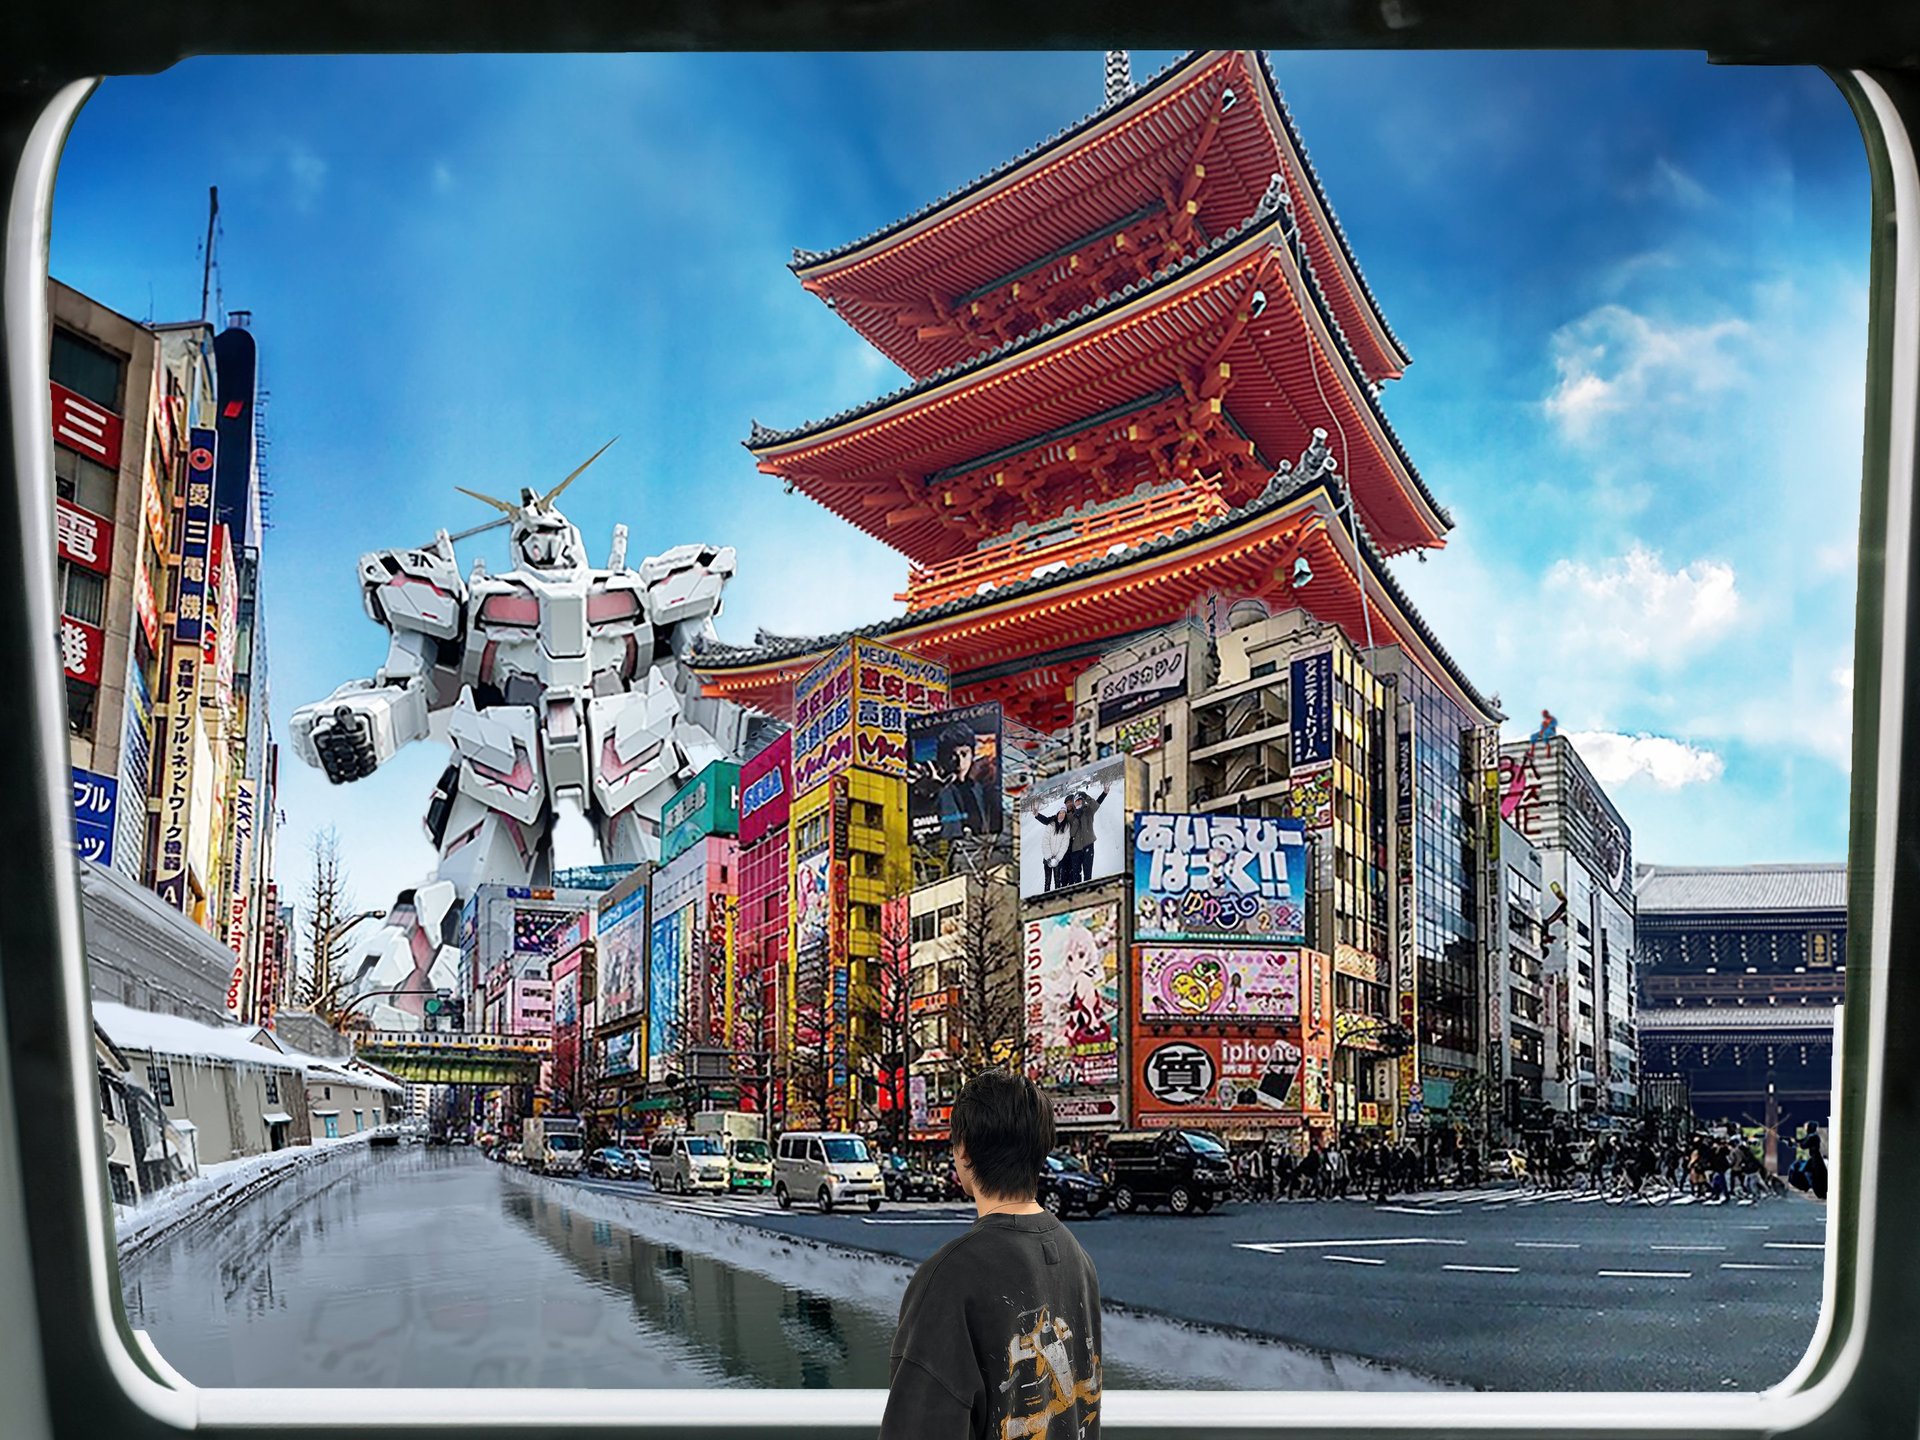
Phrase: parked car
[1185,1170]
[906,1181]
[1067,1186]
[750,1163]
[611,1162]
[687,1163]
[827,1167]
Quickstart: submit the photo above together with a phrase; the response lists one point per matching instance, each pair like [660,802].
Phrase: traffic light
[437,1004]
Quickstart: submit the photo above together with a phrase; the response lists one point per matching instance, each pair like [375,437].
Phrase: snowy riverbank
[1174,1352]
[219,1187]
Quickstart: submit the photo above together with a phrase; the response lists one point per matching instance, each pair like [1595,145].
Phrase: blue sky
[1634,289]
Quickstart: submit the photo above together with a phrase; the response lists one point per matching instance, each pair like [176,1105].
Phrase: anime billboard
[953,773]
[1244,985]
[1222,878]
[1072,988]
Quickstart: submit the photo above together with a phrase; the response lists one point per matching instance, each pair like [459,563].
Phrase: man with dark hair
[1000,1329]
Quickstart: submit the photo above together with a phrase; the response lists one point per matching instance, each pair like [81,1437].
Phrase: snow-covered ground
[217,1186]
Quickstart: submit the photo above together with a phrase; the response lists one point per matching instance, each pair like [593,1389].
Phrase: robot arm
[419,597]
[683,592]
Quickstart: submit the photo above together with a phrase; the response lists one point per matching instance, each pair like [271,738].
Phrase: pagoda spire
[1119,76]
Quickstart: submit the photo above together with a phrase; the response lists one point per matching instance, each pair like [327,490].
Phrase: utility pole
[206,261]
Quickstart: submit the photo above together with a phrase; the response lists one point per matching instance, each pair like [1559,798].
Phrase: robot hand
[357,727]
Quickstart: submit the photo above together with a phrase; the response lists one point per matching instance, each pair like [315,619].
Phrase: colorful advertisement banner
[537,931]
[766,789]
[1310,708]
[1073,828]
[620,1054]
[1143,685]
[810,901]
[176,776]
[823,720]
[852,708]
[85,539]
[1203,1079]
[1141,735]
[953,773]
[708,804]
[1224,878]
[1230,985]
[239,885]
[1072,986]
[1310,798]
[889,686]
[674,940]
[620,940]
[96,801]
[566,1000]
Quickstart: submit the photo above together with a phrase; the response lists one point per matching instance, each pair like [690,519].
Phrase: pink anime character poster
[1073,997]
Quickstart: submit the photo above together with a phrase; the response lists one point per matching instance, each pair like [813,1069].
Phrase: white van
[687,1163]
[827,1167]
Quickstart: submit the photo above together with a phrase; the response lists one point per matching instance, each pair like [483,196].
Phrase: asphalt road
[1489,1287]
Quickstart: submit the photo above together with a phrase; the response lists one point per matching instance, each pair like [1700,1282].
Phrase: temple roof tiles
[1732,889]
[1287,487]
[805,259]
[1276,203]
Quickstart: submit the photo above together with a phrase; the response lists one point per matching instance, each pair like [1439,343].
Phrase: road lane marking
[1274,1247]
[1684,1249]
[1546,1244]
[1406,1210]
[1736,1265]
[1756,1227]
[1794,1245]
[1484,1269]
[918,1220]
[1353,1259]
[1647,1274]
[1588,1199]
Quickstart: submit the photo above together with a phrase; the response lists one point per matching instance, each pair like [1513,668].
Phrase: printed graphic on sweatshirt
[1052,1389]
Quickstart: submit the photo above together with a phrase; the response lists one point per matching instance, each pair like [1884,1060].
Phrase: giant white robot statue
[563,690]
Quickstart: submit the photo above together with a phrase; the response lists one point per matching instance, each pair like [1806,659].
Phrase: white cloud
[308,172]
[442,177]
[1614,362]
[1633,607]
[1669,764]
[1669,181]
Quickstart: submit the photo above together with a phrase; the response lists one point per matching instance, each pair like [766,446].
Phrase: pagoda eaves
[1155,173]
[1024,643]
[953,463]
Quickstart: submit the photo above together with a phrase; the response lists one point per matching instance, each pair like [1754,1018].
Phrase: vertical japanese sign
[822,720]
[1310,708]
[196,542]
[239,886]
[183,676]
[85,540]
[95,806]
[889,686]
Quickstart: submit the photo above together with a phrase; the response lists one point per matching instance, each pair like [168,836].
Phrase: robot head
[544,539]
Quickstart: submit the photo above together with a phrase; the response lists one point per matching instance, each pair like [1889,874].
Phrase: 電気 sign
[1229,985]
[196,540]
[1222,878]
[85,539]
[1160,677]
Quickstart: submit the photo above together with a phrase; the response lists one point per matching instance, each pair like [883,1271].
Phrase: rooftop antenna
[1119,76]
[206,266]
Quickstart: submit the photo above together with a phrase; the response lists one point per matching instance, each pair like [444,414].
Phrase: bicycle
[1648,1190]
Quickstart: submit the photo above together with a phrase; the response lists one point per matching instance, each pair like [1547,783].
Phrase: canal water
[431,1267]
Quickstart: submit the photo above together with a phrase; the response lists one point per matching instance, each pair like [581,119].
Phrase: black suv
[1065,1186]
[906,1181]
[1186,1170]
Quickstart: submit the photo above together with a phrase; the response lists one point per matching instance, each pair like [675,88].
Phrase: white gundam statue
[565,694]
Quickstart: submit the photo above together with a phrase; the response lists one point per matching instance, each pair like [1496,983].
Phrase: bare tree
[986,957]
[884,1001]
[329,903]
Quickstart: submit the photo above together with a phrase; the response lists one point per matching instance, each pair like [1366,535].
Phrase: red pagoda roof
[1024,643]
[1198,141]
[1238,332]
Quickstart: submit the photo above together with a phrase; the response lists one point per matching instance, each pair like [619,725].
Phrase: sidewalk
[217,1187]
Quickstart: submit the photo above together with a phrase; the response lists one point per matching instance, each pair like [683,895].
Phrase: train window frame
[76,1367]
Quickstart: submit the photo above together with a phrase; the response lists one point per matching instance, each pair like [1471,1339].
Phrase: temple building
[1144,385]
[1742,973]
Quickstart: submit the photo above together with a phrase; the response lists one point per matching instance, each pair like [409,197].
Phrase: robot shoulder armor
[413,590]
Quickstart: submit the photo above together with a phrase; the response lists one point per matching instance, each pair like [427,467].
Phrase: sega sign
[766,788]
